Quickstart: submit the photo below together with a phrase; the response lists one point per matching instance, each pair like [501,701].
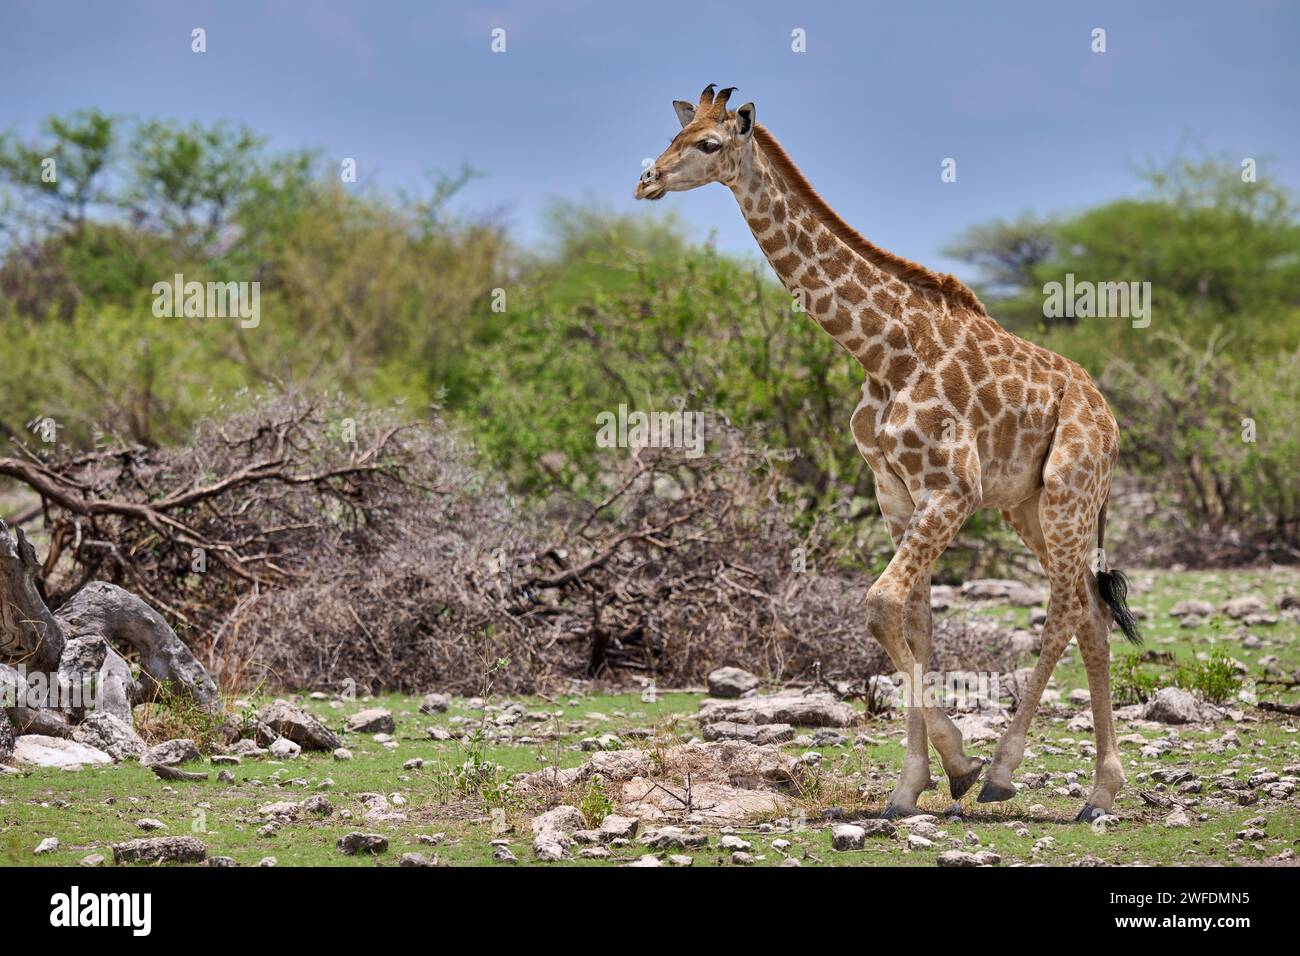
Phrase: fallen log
[117,615]
[171,773]
[28,631]
[66,663]
[1292,709]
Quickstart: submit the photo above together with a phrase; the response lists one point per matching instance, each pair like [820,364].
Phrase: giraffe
[955,414]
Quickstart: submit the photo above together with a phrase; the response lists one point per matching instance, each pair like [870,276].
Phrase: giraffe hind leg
[1094,647]
[1059,524]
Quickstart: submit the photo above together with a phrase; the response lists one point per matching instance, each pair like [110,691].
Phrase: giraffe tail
[1113,586]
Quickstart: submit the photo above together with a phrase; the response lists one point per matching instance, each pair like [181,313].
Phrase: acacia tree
[1216,247]
[65,172]
[186,180]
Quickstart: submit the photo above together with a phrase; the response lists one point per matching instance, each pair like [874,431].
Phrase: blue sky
[1035,119]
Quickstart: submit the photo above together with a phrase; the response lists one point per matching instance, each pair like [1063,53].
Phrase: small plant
[1216,680]
[476,775]
[596,805]
[469,776]
[1132,684]
[173,714]
[247,714]
[475,772]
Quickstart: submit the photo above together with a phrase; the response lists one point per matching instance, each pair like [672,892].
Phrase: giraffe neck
[864,297]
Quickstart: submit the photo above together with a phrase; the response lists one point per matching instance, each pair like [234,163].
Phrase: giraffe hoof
[1089,813]
[995,793]
[959,785]
[895,812]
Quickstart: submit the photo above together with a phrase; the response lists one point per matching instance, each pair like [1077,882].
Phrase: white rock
[731,682]
[38,750]
[553,832]
[102,731]
[1245,606]
[996,589]
[847,836]
[816,709]
[375,720]
[434,704]
[615,826]
[285,749]
[1173,705]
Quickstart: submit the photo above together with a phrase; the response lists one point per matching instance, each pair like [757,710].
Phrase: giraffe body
[955,414]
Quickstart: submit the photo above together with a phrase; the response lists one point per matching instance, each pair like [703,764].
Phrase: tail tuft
[1114,591]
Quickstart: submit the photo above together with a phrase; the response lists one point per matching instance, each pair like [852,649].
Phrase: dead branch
[1279,708]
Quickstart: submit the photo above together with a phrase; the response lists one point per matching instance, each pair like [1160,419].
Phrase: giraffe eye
[708,146]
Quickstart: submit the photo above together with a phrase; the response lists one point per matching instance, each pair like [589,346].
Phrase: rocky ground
[773,776]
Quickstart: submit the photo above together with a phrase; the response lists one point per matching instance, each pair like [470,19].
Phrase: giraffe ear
[745,120]
[685,112]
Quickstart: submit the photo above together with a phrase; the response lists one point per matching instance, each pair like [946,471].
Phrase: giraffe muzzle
[650,185]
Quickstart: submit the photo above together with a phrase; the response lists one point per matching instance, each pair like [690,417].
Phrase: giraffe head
[711,148]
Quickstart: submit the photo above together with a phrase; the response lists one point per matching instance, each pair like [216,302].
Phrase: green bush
[1132,682]
[1221,437]
[1217,680]
[1137,677]
[596,805]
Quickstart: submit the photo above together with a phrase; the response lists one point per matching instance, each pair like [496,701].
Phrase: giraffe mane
[911,272]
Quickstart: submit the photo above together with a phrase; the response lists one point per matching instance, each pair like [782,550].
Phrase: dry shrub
[685,565]
[357,548]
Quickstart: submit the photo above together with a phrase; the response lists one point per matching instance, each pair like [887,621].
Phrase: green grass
[1157,592]
[96,807]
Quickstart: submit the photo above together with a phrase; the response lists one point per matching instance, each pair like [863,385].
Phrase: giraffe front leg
[915,777]
[896,508]
[929,530]
[919,623]
[916,770]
